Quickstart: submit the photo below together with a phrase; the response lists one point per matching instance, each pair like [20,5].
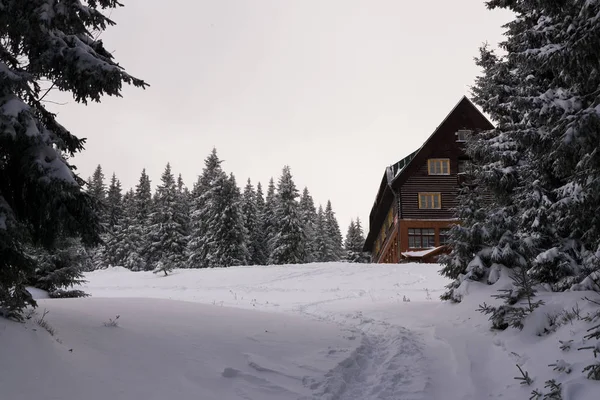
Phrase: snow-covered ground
[318,331]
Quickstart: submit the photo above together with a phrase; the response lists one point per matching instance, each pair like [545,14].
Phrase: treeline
[216,224]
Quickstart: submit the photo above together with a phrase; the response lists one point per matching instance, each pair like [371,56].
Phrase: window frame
[433,196]
[465,132]
[432,163]
[420,234]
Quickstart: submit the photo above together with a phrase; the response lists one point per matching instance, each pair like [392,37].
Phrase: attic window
[438,166]
[462,135]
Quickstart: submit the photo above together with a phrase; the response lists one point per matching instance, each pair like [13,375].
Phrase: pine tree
[323,241]
[261,246]
[41,198]
[308,215]
[114,220]
[354,243]
[166,235]
[268,217]
[226,226]
[61,268]
[332,229]
[183,204]
[113,203]
[288,241]
[541,164]
[252,224]
[97,187]
[201,244]
[127,248]
[137,230]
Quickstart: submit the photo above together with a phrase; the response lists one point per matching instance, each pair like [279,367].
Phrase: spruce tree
[268,217]
[166,233]
[201,244]
[226,228]
[332,229]
[308,215]
[261,246]
[323,241]
[288,240]
[114,219]
[97,187]
[137,230]
[354,243]
[114,208]
[541,164]
[183,204]
[251,223]
[126,247]
[46,45]
[61,268]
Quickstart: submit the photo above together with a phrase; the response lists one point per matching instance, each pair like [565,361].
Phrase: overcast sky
[337,89]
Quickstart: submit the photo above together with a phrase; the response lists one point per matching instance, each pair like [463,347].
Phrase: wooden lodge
[414,207]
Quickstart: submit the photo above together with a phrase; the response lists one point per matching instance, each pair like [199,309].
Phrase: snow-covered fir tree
[183,203]
[268,217]
[323,242]
[252,223]
[308,214]
[128,238]
[137,230]
[288,241]
[114,208]
[332,230]
[354,243]
[541,163]
[114,219]
[226,230]
[200,243]
[261,245]
[167,231]
[97,188]
[61,268]
[41,197]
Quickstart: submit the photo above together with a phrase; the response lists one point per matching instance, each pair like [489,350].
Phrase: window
[444,236]
[421,238]
[438,166]
[462,135]
[430,200]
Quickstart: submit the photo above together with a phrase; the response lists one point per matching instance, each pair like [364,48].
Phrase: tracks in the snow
[389,363]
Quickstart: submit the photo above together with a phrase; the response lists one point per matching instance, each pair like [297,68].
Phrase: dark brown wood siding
[421,181]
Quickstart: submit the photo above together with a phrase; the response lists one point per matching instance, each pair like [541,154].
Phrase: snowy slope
[318,331]
[164,349]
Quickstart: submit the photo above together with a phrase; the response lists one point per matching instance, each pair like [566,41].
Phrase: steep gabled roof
[396,174]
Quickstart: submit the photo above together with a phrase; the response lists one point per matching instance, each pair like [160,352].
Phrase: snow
[421,253]
[317,331]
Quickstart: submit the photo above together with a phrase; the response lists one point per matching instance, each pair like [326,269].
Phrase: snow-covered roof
[421,253]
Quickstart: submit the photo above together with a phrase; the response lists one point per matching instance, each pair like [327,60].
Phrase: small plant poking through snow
[525,378]
[562,366]
[518,301]
[44,324]
[113,323]
[555,392]
[427,294]
[165,268]
[565,345]
[405,299]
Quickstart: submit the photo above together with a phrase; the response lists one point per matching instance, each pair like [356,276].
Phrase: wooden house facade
[414,207]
